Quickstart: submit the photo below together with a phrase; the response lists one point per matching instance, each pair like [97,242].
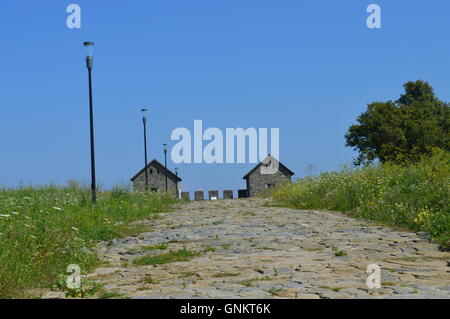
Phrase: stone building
[265,175]
[157,179]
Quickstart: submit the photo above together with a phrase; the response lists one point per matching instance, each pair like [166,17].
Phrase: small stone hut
[266,175]
[156,173]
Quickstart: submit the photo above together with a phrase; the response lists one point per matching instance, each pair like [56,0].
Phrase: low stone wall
[213,194]
[227,194]
[185,196]
[242,193]
[199,195]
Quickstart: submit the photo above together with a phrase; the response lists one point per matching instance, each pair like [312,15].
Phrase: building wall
[256,182]
[155,181]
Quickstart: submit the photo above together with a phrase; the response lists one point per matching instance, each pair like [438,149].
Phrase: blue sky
[306,67]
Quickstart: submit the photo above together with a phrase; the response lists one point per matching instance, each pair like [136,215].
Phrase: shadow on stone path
[248,249]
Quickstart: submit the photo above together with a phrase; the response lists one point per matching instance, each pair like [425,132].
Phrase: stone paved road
[251,250]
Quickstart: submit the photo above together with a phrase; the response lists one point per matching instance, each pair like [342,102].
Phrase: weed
[155,247]
[340,253]
[45,229]
[166,258]
[415,197]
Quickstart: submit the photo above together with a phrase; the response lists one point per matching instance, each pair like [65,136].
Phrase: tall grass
[416,197]
[43,230]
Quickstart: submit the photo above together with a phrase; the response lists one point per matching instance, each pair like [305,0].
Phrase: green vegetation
[335,289]
[43,230]
[104,294]
[404,130]
[416,196]
[209,249]
[340,253]
[165,258]
[387,284]
[226,274]
[87,289]
[155,247]
[249,282]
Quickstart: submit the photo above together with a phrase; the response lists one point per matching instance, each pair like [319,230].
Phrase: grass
[104,294]
[414,197]
[209,249]
[166,258]
[45,229]
[387,284]
[335,289]
[249,282]
[340,253]
[226,274]
[314,249]
[155,247]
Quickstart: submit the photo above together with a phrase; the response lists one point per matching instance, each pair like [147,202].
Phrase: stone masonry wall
[257,182]
[155,181]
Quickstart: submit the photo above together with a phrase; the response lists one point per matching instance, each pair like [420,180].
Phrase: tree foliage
[404,130]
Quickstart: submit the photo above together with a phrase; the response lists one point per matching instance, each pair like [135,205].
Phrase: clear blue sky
[306,67]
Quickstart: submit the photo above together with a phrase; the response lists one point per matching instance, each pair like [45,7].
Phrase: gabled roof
[268,159]
[161,167]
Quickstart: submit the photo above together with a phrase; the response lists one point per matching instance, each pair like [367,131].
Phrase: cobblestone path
[248,249]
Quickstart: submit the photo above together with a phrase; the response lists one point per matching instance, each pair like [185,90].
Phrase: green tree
[402,131]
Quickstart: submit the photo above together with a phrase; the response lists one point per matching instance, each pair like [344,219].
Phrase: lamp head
[89,47]
[144,115]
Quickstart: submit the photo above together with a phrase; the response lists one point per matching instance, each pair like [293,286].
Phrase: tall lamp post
[144,121]
[89,64]
[176,185]
[165,163]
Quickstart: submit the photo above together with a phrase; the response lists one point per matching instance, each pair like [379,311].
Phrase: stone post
[185,196]
[242,193]
[213,194]
[227,194]
[199,195]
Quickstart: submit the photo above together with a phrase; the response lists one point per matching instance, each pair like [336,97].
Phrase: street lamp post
[165,163]
[177,189]
[144,121]
[89,64]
